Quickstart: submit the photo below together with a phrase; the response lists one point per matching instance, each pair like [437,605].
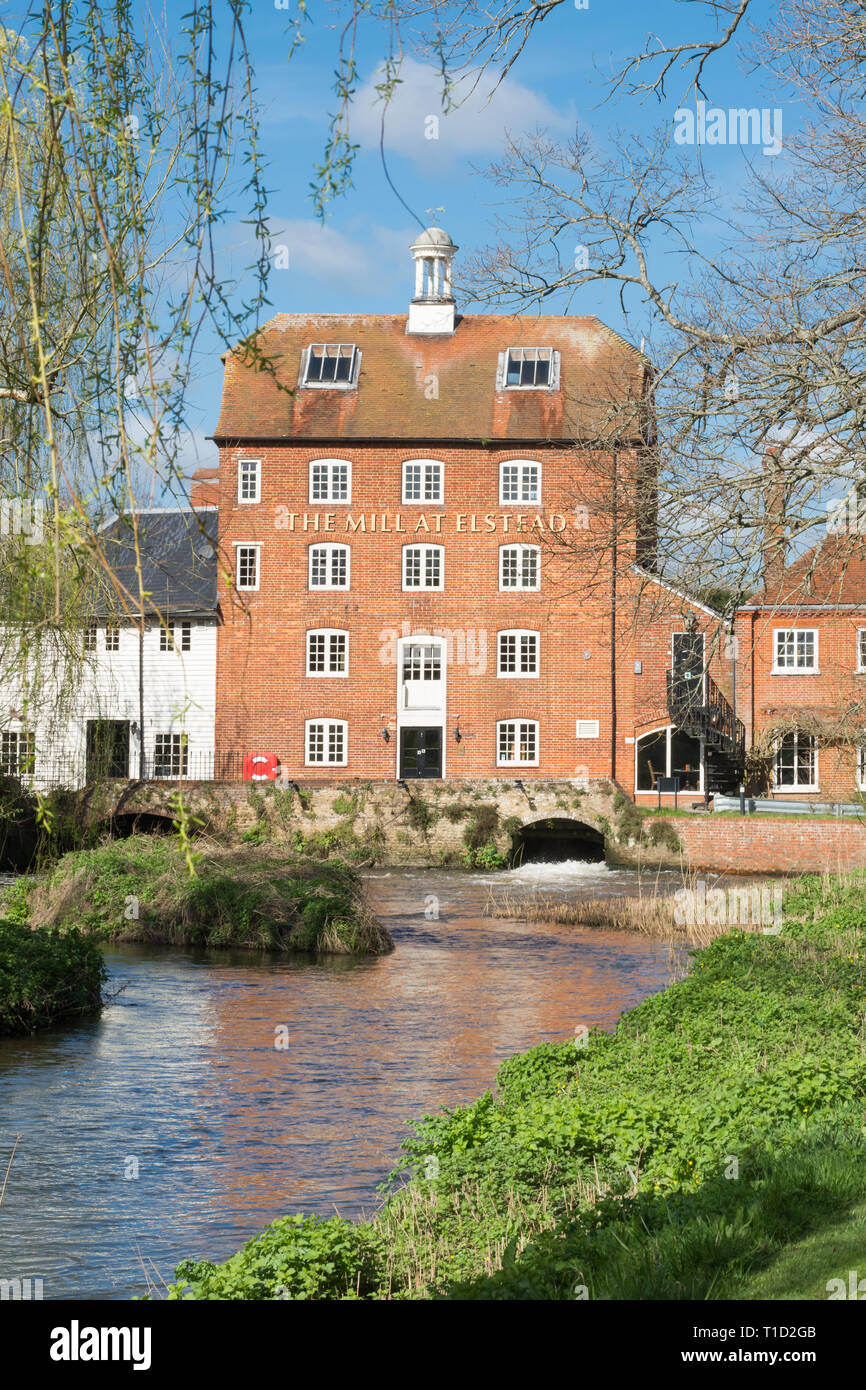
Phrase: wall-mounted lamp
[385,734]
[457,733]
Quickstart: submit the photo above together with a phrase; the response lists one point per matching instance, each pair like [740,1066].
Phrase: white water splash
[557,875]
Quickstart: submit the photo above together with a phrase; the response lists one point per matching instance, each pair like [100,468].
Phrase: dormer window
[330,364]
[534,368]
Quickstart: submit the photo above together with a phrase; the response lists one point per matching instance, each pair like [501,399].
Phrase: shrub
[297,1257]
[483,825]
[420,814]
[45,978]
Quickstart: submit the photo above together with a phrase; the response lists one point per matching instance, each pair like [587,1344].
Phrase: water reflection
[181,1074]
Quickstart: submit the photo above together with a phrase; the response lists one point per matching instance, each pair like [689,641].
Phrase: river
[173,1126]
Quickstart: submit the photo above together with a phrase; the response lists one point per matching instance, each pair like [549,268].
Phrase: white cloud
[478,125]
[325,254]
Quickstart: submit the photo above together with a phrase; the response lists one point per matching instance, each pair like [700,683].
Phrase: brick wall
[768,698]
[781,845]
[264,695]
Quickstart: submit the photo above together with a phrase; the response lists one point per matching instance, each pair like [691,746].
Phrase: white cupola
[432,308]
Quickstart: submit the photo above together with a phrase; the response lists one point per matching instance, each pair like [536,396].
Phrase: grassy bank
[711,1146]
[140,889]
[46,978]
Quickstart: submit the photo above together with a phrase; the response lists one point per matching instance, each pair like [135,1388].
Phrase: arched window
[668,753]
[329,567]
[327,652]
[517,742]
[325,742]
[423,567]
[519,481]
[330,480]
[519,567]
[517,653]
[422,481]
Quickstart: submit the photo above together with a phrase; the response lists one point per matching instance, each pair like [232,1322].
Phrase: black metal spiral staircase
[699,709]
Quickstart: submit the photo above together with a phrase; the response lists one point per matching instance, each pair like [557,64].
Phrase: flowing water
[173,1127]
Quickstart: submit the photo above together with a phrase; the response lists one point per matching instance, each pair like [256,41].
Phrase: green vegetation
[140,889]
[683,1156]
[46,978]
[420,814]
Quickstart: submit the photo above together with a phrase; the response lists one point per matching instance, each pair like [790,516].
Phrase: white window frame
[519,501]
[518,633]
[788,787]
[668,730]
[861,766]
[861,643]
[422,463]
[328,723]
[179,742]
[112,630]
[552,383]
[517,762]
[778,670]
[354,369]
[247,545]
[520,587]
[331,464]
[17,752]
[422,587]
[327,633]
[257,464]
[91,637]
[330,546]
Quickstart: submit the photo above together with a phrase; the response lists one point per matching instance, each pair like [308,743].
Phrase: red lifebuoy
[261,767]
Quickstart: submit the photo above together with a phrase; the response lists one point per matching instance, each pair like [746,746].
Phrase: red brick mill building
[417,583]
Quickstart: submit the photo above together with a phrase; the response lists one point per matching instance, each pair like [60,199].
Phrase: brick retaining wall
[759,845]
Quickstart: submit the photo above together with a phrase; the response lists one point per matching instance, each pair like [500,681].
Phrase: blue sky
[359,261]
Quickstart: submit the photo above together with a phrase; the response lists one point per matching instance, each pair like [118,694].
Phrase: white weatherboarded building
[64,727]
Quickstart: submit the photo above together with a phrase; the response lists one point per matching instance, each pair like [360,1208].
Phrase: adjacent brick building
[802,644]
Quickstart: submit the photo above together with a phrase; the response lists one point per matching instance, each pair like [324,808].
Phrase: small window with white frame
[861,767]
[795,763]
[90,637]
[528,369]
[861,649]
[517,653]
[170,755]
[327,652]
[422,481]
[17,753]
[795,649]
[247,565]
[423,567]
[249,480]
[519,481]
[330,364]
[330,480]
[325,742]
[517,742]
[329,567]
[519,567]
[175,636]
[112,638]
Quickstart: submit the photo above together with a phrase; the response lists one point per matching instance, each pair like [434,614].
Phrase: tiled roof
[440,387]
[179,562]
[832,573]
